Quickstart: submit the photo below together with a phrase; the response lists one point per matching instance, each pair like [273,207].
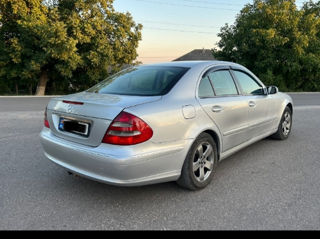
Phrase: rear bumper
[117,165]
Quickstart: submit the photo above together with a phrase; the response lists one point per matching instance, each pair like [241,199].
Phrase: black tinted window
[223,83]
[205,88]
[249,85]
[142,81]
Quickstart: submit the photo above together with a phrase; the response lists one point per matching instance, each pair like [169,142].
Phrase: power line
[213,3]
[232,4]
[205,2]
[184,5]
[177,30]
[178,24]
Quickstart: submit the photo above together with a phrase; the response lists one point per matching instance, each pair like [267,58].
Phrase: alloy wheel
[286,124]
[203,162]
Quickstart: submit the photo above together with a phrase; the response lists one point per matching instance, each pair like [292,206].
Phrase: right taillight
[127,129]
[46,122]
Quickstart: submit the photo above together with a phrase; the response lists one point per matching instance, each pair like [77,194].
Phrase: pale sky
[173,28]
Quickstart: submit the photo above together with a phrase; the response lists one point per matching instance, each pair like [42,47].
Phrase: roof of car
[191,63]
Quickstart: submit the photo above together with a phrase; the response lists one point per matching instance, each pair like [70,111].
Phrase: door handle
[217,108]
[252,104]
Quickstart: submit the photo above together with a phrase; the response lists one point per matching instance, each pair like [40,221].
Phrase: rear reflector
[46,122]
[127,129]
[72,102]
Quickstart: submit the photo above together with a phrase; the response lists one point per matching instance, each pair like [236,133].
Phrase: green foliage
[277,41]
[71,44]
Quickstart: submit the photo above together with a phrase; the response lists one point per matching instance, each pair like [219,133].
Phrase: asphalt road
[270,185]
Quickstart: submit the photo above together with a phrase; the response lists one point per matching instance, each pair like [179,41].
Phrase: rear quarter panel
[169,125]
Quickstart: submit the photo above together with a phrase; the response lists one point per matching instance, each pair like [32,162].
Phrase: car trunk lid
[92,112]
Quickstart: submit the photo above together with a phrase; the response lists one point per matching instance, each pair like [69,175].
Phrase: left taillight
[46,122]
[127,129]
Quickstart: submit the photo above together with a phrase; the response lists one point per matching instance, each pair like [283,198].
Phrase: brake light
[46,122]
[127,129]
[72,102]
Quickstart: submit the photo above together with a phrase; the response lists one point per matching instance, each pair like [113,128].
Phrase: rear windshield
[141,81]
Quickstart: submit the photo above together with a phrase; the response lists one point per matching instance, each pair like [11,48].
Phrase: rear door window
[205,88]
[223,83]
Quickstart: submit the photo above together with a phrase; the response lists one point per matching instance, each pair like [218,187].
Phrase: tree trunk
[30,89]
[41,88]
[17,89]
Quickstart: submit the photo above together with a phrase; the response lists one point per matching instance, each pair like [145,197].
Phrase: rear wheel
[285,126]
[200,164]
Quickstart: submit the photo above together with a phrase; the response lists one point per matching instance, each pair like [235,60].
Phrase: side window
[223,83]
[249,85]
[205,88]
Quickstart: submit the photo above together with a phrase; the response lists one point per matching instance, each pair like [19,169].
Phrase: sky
[172,28]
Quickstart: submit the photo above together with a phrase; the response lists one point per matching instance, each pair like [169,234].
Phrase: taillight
[46,122]
[127,129]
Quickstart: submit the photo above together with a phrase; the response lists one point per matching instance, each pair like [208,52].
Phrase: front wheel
[200,164]
[285,125]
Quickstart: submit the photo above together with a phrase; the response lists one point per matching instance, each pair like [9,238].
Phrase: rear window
[141,81]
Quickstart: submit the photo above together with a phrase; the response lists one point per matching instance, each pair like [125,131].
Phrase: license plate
[74,126]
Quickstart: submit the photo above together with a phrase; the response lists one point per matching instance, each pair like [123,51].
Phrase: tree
[311,58]
[277,41]
[71,42]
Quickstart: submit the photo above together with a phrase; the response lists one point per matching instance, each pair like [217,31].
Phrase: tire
[285,125]
[200,164]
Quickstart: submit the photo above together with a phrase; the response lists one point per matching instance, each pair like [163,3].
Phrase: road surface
[269,185]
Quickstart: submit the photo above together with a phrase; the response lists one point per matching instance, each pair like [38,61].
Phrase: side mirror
[265,91]
[272,90]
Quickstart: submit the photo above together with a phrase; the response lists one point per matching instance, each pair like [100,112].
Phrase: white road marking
[307,107]
[21,115]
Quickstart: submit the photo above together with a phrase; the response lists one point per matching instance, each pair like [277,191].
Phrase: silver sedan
[164,122]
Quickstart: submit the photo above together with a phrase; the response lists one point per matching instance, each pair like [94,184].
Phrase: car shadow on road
[241,159]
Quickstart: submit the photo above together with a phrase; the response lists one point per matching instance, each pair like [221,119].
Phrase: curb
[30,96]
[302,93]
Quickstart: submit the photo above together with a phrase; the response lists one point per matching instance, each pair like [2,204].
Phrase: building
[197,55]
